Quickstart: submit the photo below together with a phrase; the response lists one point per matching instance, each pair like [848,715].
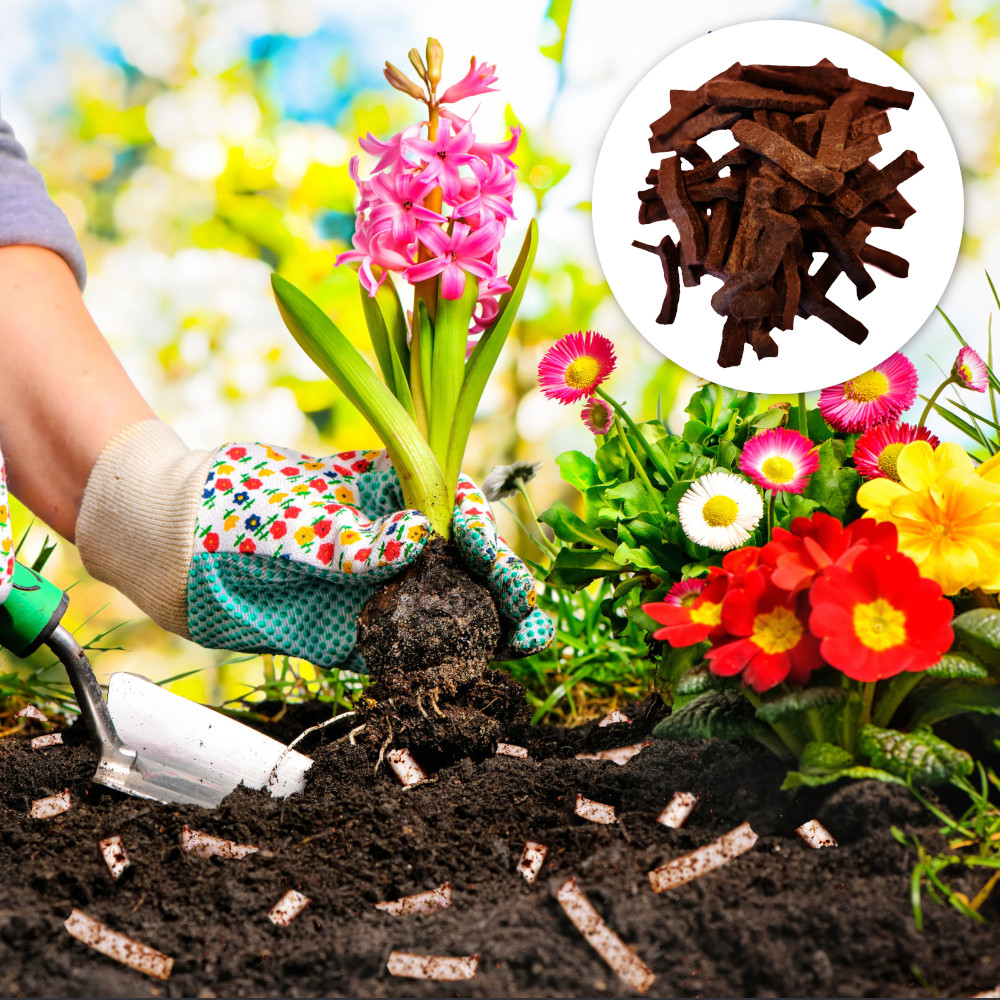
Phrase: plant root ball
[427,638]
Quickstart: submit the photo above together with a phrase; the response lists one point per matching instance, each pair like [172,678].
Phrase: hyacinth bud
[398,79]
[435,59]
[418,64]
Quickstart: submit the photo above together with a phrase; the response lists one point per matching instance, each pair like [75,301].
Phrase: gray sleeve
[27,214]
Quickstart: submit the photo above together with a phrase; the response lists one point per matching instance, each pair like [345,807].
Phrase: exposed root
[381,753]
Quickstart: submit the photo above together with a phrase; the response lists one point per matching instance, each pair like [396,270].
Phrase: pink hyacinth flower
[364,188]
[970,370]
[372,248]
[444,156]
[486,150]
[491,197]
[455,254]
[392,152]
[397,204]
[779,459]
[488,304]
[476,81]
[871,398]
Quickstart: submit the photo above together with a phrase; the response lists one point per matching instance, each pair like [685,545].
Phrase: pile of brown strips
[798,183]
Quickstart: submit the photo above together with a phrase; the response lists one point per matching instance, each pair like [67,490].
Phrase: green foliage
[979,631]
[788,706]
[722,714]
[958,666]
[920,757]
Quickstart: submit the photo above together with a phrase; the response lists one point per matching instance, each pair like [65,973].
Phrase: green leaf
[921,757]
[699,678]
[569,527]
[800,506]
[578,470]
[575,568]
[958,666]
[635,557]
[795,779]
[820,756]
[635,496]
[393,370]
[419,473]
[788,706]
[768,419]
[640,618]
[451,338]
[484,357]
[725,715]
[557,13]
[979,631]
[956,698]
[832,485]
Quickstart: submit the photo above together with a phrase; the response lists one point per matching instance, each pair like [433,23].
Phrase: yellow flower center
[778,469]
[887,460]
[964,373]
[581,373]
[707,614]
[776,631]
[879,625]
[720,511]
[866,388]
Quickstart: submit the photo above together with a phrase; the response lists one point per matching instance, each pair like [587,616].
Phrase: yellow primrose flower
[304,534]
[948,518]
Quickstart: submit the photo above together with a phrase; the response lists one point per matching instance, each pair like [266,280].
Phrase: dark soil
[781,920]
[427,638]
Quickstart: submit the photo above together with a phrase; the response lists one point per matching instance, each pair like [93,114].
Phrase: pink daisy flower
[597,415]
[779,459]
[970,370]
[876,451]
[575,366]
[684,593]
[871,398]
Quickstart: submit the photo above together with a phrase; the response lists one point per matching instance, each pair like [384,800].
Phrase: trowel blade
[189,753]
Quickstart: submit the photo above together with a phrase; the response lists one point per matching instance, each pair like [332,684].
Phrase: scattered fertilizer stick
[610,720]
[705,859]
[207,846]
[31,712]
[532,859]
[51,805]
[439,967]
[596,812]
[511,750]
[677,810]
[113,851]
[816,835]
[622,959]
[118,946]
[288,908]
[422,902]
[41,742]
[405,767]
[620,755]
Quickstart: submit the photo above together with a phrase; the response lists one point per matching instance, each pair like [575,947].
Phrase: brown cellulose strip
[799,182]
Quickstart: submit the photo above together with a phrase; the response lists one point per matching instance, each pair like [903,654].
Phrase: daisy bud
[398,79]
[435,59]
[417,63]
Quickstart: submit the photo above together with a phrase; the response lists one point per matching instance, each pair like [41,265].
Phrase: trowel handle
[31,613]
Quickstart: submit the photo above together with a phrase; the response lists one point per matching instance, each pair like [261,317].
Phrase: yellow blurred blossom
[947,516]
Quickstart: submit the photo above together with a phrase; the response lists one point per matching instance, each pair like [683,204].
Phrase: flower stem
[886,706]
[631,425]
[982,599]
[782,730]
[426,291]
[546,545]
[654,493]
[867,697]
[803,418]
[930,402]
[770,513]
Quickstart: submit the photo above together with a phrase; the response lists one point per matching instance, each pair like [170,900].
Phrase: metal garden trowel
[153,744]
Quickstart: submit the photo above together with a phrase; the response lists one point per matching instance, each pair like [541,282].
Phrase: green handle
[31,612]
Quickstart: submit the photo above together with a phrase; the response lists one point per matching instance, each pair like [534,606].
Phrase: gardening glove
[6,542]
[259,549]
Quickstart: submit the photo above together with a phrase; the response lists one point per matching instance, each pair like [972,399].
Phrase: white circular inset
[812,354]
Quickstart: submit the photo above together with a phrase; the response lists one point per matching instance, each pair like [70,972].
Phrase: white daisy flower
[720,510]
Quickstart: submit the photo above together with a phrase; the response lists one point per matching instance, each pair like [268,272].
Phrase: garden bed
[781,920]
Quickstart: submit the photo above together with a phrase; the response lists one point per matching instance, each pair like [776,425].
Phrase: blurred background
[198,145]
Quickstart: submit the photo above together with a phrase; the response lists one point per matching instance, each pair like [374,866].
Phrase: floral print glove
[288,550]
[6,542]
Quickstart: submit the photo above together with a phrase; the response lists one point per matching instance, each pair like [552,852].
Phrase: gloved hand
[281,551]
[6,542]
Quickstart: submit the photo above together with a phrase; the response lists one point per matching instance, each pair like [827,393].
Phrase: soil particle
[781,920]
